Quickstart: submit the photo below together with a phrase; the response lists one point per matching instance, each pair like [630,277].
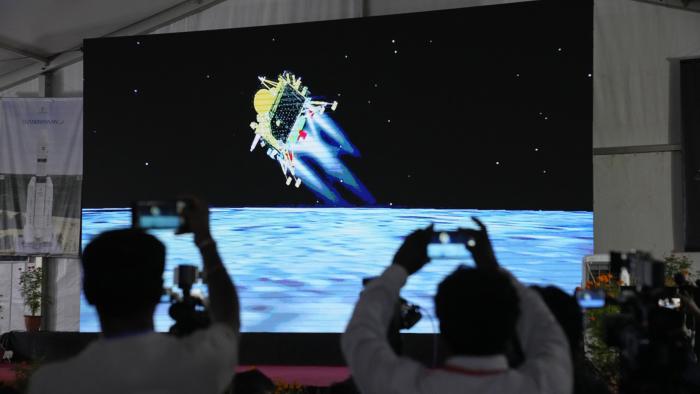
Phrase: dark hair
[252,382]
[123,272]
[478,310]
[566,310]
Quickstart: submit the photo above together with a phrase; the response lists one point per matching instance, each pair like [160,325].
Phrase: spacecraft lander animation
[283,109]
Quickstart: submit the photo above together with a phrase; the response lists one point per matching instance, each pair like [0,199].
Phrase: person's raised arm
[375,367]
[223,299]
[547,360]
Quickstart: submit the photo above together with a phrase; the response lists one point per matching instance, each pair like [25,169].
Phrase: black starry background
[487,107]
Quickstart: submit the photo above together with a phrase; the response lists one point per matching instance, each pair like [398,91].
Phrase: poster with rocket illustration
[40,176]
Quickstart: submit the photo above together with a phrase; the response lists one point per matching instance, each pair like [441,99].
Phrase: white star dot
[590,75]
[136,90]
[341,181]
[395,51]
[147,164]
[393,41]
[208,76]
[138,42]
[537,149]
[558,49]
[517,75]
[544,171]
[346,56]
[498,163]
[376,86]
[388,120]
[545,118]
[369,101]
[391,204]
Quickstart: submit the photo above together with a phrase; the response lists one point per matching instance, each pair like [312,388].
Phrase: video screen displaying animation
[319,146]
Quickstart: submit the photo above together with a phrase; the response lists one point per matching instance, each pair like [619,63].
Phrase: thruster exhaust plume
[296,131]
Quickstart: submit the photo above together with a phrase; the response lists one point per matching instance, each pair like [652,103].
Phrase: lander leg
[255,142]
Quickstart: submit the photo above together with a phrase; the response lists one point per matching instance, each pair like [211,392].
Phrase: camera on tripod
[655,352]
[189,312]
[406,315]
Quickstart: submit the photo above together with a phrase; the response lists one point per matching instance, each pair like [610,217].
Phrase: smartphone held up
[451,245]
[160,215]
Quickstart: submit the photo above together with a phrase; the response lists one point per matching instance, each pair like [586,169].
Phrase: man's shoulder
[219,334]
[52,376]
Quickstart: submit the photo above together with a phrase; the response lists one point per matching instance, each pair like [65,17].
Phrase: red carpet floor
[306,375]
[7,373]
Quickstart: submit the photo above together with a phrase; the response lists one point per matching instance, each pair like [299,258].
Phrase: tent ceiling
[51,39]
[10,61]
[32,33]
[43,28]
[47,27]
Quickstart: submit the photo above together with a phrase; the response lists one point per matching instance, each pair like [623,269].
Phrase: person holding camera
[480,311]
[123,279]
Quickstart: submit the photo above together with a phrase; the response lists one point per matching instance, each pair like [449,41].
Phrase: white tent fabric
[64,294]
[638,196]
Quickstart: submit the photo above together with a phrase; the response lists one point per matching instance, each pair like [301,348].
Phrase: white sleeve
[214,351]
[547,355]
[374,365]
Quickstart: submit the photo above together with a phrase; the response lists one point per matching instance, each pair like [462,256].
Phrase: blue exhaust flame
[324,145]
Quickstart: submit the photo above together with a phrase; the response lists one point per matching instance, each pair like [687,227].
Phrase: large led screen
[319,146]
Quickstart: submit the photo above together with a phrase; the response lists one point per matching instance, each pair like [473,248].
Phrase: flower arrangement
[289,388]
[676,264]
[30,281]
[604,358]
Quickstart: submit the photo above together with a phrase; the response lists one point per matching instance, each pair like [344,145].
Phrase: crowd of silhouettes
[498,335]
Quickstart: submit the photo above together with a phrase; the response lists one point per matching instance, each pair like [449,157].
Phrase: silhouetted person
[568,313]
[122,278]
[253,382]
[480,310]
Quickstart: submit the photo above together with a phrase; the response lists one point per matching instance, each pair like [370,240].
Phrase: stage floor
[301,269]
[319,376]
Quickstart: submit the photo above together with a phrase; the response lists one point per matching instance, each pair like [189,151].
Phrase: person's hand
[479,245]
[413,254]
[196,214]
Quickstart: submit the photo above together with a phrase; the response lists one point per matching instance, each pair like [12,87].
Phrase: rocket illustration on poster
[38,229]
